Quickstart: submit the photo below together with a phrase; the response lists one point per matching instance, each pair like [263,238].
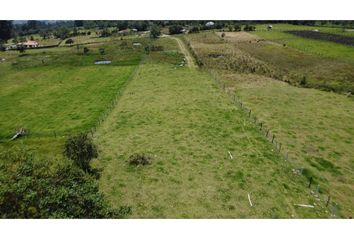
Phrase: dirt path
[185,51]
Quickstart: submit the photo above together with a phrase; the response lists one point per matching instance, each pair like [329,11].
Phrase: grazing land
[59,91]
[180,118]
[210,124]
[315,127]
[324,36]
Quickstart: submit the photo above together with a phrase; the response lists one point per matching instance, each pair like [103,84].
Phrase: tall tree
[5,30]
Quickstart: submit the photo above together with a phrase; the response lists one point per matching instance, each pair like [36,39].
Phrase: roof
[29,43]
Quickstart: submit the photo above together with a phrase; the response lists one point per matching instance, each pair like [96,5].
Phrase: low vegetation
[33,188]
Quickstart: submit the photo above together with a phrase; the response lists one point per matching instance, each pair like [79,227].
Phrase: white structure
[29,44]
[210,24]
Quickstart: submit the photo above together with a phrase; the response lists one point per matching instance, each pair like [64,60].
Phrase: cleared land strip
[183,121]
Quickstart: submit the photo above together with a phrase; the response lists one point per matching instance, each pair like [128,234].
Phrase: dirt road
[185,51]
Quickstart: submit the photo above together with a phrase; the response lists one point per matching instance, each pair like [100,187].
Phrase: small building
[124,32]
[29,44]
[209,24]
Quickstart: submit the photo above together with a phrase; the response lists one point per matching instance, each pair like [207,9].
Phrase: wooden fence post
[310,182]
[328,199]
[273,138]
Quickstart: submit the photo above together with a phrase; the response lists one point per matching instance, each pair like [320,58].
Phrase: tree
[21,48]
[175,29]
[5,30]
[81,150]
[237,27]
[249,28]
[155,31]
[105,33]
[69,41]
[44,34]
[79,23]
[194,29]
[33,188]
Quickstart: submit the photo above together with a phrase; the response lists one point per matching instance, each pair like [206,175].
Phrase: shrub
[194,29]
[86,50]
[249,28]
[175,29]
[303,81]
[139,159]
[69,41]
[105,33]
[102,51]
[237,27]
[32,188]
[155,31]
[21,49]
[223,35]
[81,150]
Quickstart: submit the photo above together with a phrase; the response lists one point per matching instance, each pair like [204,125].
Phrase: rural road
[185,51]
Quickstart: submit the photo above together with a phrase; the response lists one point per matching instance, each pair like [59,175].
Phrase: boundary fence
[279,147]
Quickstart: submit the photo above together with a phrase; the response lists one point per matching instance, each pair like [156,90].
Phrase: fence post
[267,133]
[279,147]
[273,138]
[328,199]
[310,182]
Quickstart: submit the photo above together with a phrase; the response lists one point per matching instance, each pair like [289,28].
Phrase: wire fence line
[279,147]
[116,98]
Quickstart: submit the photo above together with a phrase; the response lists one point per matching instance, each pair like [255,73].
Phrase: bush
[155,31]
[86,50]
[194,29]
[81,150]
[303,81]
[139,159]
[32,188]
[237,27]
[102,51]
[249,28]
[105,33]
[69,41]
[175,29]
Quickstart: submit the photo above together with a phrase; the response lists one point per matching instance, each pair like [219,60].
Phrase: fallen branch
[249,199]
[304,205]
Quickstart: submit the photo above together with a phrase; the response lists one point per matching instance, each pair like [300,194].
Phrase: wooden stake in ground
[304,205]
[230,155]
[249,200]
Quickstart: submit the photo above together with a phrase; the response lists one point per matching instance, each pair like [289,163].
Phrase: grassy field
[315,127]
[321,48]
[59,91]
[294,65]
[290,27]
[180,118]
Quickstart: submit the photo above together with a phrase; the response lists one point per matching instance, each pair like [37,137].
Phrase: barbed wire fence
[279,147]
[116,98]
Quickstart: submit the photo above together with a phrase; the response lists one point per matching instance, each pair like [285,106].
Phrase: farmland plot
[205,156]
[57,92]
[315,127]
